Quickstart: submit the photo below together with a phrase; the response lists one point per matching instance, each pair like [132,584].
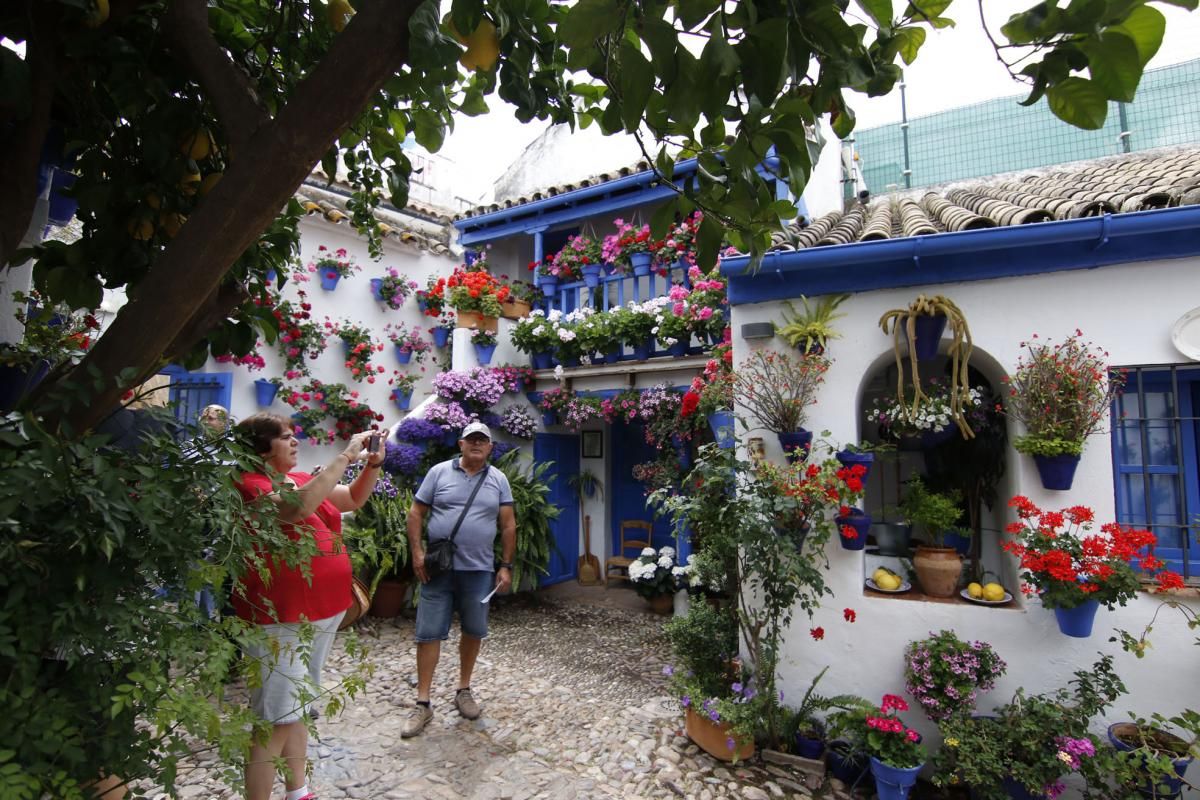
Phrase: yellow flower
[951,742]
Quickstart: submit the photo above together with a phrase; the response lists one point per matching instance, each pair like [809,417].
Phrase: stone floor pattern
[574,706]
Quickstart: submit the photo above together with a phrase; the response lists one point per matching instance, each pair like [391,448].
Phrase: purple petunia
[415,429]
[403,459]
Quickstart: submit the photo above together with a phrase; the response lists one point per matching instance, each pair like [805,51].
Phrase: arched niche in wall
[977,469]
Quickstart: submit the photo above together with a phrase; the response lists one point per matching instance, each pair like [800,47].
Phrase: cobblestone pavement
[574,706]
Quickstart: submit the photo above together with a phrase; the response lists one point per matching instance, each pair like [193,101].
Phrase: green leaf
[1114,65]
[473,104]
[663,218]
[763,57]
[636,82]
[843,122]
[1079,102]
[693,12]
[878,10]
[428,129]
[662,40]
[908,42]
[1145,26]
[926,10]
[465,15]
[588,20]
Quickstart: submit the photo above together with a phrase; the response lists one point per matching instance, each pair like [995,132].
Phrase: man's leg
[427,661]
[472,588]
[433,626]
[468,651]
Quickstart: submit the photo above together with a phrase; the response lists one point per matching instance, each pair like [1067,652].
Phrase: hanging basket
[641,264]
[402,398]
[1057,472]
[264,392]
[1077,622]
[484,353]
[441,336]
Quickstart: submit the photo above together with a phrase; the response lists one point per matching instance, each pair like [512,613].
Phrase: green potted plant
[520,300]
[938,568]
[1151,759]
[673,332]
[812,330]
[654,579]
[597,334]
[1062,395]
[634,325]
[893,749]
[945,674]
[804,731]
[378,544]
[777,389]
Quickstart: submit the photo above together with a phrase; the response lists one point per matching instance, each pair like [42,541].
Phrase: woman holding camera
[317,593]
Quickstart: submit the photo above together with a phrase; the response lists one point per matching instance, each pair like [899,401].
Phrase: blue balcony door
[190,392]
[628,495]
[563,450]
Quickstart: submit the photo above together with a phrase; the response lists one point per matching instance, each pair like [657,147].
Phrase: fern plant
[534,512]
[811,331]
[804,719]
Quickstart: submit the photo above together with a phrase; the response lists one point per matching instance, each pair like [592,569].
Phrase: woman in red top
[318,595]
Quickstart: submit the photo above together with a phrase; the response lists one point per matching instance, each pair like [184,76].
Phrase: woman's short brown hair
[257,431]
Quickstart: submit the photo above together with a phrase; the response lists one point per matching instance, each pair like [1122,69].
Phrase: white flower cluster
[648,565]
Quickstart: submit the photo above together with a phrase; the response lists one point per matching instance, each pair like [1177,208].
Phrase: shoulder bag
[439,555]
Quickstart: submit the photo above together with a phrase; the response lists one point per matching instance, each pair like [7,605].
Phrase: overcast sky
[956,67]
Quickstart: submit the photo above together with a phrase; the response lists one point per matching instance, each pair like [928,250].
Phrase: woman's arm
[352,497]
[313,493]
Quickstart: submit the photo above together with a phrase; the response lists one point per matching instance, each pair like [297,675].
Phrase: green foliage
[1036,446]
[703,641]
[934,511]
[811,330]
[534,513]
[378,541]
[88,642]
[804,718]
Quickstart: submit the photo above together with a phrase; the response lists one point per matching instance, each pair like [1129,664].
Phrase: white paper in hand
[485,600]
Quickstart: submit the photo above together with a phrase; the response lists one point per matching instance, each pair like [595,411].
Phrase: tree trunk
[276,160]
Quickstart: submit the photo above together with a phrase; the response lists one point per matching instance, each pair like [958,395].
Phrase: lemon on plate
[975,590]
[993,592]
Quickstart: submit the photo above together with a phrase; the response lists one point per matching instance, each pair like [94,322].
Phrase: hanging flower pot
[402,398]
[612,355]
[849,458]
[549,418]
[722,424]
[641,352]
[852,529]
[329,279]
[296,429]
[16,381]
[1077,621]
[591,275]
[515,309]
[893,783]
[1057,472]
[679,349]
[264,392]
[796,445]
[484,353]
[929,330]
[641,264]
[271,275]
[549,284]
[441,336]
[377,289]
[541,360]
[403,354]
[477,321]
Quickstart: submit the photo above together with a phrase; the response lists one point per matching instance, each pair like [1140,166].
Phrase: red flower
[849,615]
[817,633]
[691,402]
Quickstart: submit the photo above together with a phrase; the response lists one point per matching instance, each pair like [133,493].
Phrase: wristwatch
[506,565]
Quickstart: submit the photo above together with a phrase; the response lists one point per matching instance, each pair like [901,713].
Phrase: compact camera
[374,442]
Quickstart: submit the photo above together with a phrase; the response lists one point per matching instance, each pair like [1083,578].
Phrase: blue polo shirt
[446,488]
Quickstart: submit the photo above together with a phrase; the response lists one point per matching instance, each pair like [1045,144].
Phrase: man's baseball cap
[476,427]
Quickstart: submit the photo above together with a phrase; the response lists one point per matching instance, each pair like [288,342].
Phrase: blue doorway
[563,450]
[628,494]
[190,392]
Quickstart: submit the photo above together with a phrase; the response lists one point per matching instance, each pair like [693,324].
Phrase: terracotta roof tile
[553,191]
[392,225]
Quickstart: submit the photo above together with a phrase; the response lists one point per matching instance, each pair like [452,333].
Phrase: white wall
[1128,310]
[351,300]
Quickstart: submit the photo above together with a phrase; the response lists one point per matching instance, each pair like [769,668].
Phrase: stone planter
[712,738]
[938,570]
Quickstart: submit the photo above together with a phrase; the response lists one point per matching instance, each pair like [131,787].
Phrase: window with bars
[1157,475]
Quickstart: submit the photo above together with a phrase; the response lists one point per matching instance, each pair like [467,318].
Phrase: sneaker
[466,704]
[416,721]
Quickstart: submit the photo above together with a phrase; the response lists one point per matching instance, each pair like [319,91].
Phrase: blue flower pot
[1077,622]
[296,428]
[893,783]
[851,459]
[264,392]
[484,352]
[402,355]
[641,352]
[549,418]
[641,264]
[18,381]
[450,438]
[1057,472]
[377,289]
[422,304]
[1166,786]
[541,360]
[683,451]
[960,543]
[441,336]
[591,275]
[329,279]
[722,424]
[852,771]
[796,445]
[271,275]
[569,361]
[62,208]
[860,521]
[402,398]
[929,331]
[612,356]
[809,748]
[548,284]
[678,350]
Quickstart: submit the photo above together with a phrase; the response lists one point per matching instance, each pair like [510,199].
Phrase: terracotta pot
[712,737]
[473,319]
[389,598]
[661,604]
[938,570]
[515,309]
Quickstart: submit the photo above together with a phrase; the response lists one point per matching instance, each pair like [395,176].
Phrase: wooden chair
[618,566]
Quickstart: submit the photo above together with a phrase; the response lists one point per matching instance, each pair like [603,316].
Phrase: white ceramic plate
[965,595]
[904,587]
[1185,334]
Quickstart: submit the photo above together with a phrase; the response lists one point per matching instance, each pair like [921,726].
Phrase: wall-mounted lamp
[758,330]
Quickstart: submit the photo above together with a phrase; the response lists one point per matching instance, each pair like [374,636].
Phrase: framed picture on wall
[592,444]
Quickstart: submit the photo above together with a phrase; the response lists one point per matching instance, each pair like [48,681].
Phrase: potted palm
[378,543]
[777,389]
[938,567]
[1062,395]
[811,331]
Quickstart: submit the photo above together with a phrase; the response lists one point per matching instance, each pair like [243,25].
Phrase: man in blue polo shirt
[444,493]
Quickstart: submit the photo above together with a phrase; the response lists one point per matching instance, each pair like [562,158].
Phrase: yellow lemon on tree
[209,182]
[993,592]
[340,12]
[975,590]
[197,145]
[98,15]
[483,47]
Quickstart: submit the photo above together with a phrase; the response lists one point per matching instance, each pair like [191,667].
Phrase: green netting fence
[997,136]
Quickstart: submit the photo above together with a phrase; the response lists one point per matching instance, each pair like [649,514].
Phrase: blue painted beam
[986,254]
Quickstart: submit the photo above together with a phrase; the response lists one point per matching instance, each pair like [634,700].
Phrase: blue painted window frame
[1181,383]
[181,379]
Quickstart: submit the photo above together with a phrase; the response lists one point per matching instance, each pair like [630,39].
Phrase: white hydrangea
[665,562]
[667,551]
[649,551]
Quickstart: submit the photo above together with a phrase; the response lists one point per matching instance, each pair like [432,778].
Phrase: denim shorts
[457,590]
